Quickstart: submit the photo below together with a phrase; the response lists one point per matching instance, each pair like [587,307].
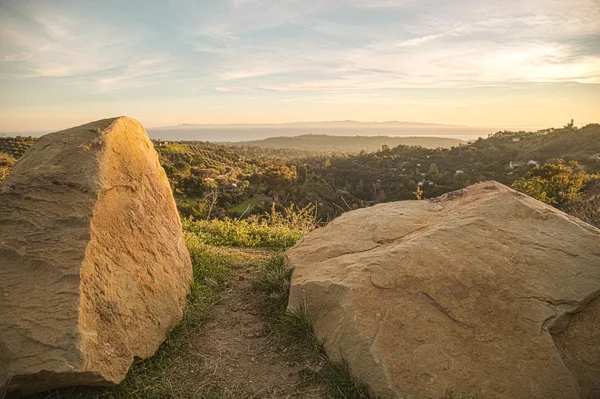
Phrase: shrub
[271,230]
[555,184]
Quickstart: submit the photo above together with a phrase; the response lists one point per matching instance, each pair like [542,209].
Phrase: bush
[555,184]
[273,230]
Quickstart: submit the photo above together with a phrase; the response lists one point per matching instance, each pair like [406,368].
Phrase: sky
[501,63]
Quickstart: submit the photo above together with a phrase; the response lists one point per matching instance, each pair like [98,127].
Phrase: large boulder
[94,271]
[481,291]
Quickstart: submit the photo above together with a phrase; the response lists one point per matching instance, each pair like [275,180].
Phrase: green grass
[273,284]
[273,230]
[339,383]
[177,148]
[247,206]
[242,233]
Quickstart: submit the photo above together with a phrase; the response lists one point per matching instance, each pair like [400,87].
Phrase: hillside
[349,144]
[579,144]
[213,180]
[16,146]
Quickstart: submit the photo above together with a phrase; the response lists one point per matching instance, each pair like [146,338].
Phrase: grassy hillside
[349,144]
[576,144]
[564,143]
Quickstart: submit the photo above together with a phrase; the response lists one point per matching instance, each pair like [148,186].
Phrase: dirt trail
[235,356]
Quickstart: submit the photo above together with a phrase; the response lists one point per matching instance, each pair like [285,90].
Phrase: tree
[570,125]
[461,180]
[433,169]
[182,167]
[277,178]
[553,183]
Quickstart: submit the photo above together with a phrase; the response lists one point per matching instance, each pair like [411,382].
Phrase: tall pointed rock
[94,271]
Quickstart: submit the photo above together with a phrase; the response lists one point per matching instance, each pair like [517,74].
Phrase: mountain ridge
[355,143]
[348,123]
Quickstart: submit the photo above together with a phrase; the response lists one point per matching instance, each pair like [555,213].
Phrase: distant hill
[350,144]
[244,132]
[578,144]
[566,143]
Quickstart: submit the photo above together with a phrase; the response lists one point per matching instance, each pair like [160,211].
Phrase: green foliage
[241,233]
[273,230]
[319,171]
[461,180]
[556,184]
[277,178]
[433,169]
[209,262]
[297,327]
[336,182]
[4,173]
[273,284]
[6,160]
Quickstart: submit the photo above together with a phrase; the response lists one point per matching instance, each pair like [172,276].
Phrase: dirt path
[235,357]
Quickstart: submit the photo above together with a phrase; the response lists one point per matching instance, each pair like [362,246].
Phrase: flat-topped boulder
[94,271]
[480,291]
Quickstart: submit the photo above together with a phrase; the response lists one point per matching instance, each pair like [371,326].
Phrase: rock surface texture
[94,271]
[481,291]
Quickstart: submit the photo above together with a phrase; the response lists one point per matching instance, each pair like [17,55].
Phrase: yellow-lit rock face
[94,271]
[482,291]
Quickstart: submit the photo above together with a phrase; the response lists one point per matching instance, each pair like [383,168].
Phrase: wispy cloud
[431,43]
[53,42]
[315,50]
